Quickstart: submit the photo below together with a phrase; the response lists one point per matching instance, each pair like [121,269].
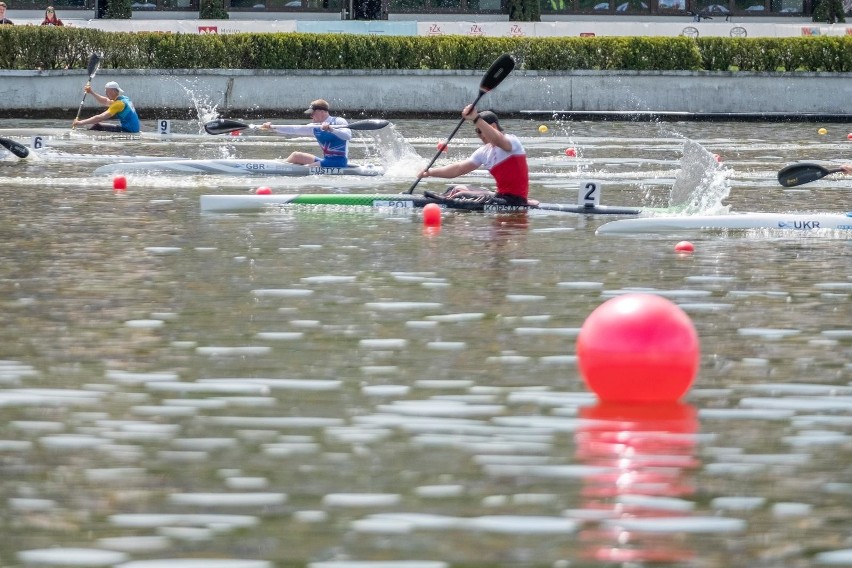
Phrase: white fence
[579,28]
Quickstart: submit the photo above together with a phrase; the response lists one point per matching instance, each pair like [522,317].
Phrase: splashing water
[701,183]
[205,109]
[390,148]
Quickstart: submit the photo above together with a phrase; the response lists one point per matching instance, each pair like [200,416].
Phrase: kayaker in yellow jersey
[119,106]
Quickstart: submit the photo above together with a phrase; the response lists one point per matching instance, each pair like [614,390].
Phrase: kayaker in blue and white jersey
[119,106]
[330,131]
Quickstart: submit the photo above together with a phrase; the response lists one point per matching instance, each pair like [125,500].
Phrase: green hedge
[822,53]
[35,47]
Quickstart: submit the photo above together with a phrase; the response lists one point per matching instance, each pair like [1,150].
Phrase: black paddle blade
[799,174]
[498,71]
[223,126]
[94,64]
[369,124]
[19,150]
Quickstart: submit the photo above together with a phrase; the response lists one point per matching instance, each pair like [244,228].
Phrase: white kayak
[796,222]
[237,167]
[77,134]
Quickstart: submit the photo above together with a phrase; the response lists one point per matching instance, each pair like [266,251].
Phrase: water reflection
[327,387]
[649,455]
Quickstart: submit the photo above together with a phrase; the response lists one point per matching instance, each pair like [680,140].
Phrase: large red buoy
[638,348]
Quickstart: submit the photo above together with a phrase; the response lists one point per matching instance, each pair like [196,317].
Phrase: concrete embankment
[683,94]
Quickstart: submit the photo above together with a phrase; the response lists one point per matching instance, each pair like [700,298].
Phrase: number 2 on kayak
[589,194]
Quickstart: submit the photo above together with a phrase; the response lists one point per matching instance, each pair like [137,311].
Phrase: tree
[212,10]
[830,11]
[117,9]
[524,10]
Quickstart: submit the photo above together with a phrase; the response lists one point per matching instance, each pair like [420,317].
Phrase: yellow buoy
[542,128]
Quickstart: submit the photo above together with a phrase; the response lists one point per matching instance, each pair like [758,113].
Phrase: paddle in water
[19,150]
[92,70]
[498,71]
[225,125]
[799,174]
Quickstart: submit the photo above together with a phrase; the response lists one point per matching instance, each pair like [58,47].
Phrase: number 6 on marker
[589,194]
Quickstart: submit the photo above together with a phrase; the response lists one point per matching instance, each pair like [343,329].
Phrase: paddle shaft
[369,124]
[94,65]
[224,125]
[450,137]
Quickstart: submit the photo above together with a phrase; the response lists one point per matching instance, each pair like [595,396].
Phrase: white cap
[113,85]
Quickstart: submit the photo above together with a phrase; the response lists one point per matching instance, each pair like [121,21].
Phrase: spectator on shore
[3,18]
[50,18]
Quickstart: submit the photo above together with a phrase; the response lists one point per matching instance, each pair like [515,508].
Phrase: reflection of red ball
[638,348]
[432,215]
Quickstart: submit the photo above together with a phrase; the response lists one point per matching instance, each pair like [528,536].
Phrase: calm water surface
[344,389]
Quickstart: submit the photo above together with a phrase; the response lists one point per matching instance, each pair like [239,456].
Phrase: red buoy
[638,348]
[684,246]
[119,183]
[432,215]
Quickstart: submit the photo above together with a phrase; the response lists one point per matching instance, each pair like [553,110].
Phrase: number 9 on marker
[164,126]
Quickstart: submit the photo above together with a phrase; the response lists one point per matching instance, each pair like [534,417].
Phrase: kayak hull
[796,222]
[236,167]
[248,203]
